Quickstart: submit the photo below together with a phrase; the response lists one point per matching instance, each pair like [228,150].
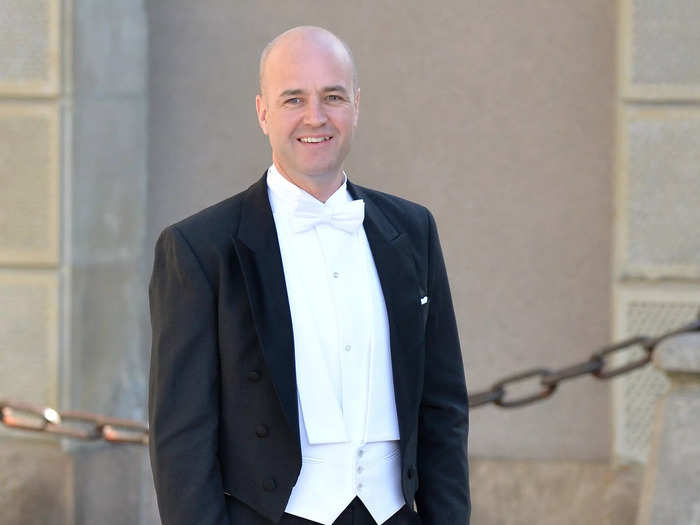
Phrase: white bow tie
[347,216]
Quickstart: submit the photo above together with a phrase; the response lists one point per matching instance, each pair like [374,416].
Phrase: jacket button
[253,375]
[261,431]
[411,472]
[270,484]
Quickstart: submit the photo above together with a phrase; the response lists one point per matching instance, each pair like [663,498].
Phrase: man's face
[308,108]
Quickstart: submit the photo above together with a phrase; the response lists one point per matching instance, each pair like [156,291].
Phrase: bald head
[306,36]
[308,107]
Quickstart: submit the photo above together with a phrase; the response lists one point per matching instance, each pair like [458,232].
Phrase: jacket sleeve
[183,402]
[443,470]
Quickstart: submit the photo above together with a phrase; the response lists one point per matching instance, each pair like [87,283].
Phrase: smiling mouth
[314,140]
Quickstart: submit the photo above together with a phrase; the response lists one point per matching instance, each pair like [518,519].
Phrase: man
[306,366]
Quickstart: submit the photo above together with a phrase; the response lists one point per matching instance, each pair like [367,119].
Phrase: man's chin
[319,172]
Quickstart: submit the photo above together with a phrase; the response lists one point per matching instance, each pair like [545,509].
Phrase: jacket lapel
[259,256]
[401,290]
[258,252]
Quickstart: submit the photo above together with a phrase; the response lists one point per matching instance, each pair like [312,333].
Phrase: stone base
[508,492]
[113,485]
[671,491]
[35,485]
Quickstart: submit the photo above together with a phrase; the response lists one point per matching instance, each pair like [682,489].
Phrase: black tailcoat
[224,428]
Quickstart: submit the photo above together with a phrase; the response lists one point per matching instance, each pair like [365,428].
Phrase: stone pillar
[671,488]
[657,249]
[73,183]
[35,484]
[106,364]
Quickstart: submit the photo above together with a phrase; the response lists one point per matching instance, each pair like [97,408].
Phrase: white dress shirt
[347,410]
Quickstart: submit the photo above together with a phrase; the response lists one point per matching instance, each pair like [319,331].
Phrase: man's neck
[320,187]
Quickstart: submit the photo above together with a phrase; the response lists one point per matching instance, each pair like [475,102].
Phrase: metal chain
[85,426]
[77,425]
[597,365]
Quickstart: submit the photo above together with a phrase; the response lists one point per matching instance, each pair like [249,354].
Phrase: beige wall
[497,115]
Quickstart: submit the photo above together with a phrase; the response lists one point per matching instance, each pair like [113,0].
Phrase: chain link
[77,425]
[544,391]
[93,427]
[598,365]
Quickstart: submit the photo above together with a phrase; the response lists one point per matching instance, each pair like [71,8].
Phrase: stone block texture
[107,361]
[553,493]
[679,354]
[111,484]
[29,47]
[665,42]
[107,364]
[110,44]
[635,394]
[671,493]
[110,179]
[662,194]
[29,182]
[28,336]
[35,486]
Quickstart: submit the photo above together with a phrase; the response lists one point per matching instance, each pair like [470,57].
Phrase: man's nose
[315,113]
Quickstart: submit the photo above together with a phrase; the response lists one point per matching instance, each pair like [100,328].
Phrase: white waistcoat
[347,410]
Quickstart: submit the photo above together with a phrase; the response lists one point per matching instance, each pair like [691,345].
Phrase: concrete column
[106,363]
[73,184]
[671,490]
[657,249]
[35,485]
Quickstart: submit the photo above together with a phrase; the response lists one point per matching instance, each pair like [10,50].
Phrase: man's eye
[293,101]
[334,98]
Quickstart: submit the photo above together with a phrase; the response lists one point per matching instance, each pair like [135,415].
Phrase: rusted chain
[93,427]
[77,425]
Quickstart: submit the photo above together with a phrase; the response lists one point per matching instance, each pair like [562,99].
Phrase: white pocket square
[424,300]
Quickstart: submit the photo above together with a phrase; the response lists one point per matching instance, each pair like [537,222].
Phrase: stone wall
[517,492]
[73,146]
[32,269]
[499,116]
[657,248]
[670,489]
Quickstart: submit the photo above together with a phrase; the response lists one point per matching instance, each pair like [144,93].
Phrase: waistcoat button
[270,484]
[253,375]
[261,431]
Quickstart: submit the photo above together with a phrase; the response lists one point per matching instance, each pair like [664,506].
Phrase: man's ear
[357,106]
[261,109]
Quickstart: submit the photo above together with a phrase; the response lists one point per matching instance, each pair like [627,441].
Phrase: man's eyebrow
[291,93]
[335,88]
[296,92]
